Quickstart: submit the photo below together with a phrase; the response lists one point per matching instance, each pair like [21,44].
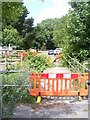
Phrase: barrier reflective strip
[44,76]
[65,75]
[74,75]
[59,75]
[52,75]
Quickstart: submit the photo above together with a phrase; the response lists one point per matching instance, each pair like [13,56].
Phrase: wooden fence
[8,57]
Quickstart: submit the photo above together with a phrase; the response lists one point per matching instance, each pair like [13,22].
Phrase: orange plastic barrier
[59,84]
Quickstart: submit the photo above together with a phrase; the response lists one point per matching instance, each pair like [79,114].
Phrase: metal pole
[69,63]
[1,52]
[73,63]
[83,68]
[1,77]
[89,91]
[1,100]
[29,83]
[78,67]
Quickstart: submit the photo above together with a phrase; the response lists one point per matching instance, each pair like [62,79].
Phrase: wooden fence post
[21,57]
[5,59]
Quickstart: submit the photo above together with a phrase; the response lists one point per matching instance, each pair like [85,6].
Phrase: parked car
[50,52]
[57,50]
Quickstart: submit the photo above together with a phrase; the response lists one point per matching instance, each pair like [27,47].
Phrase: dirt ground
[52,109]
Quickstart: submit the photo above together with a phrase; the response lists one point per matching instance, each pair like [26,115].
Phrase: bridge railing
[75,66]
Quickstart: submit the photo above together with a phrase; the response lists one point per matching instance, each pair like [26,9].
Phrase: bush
[37,63]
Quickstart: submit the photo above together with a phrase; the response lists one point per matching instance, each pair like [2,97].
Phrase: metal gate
[59,84]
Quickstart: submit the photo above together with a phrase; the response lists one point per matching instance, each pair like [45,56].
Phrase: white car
[57,50]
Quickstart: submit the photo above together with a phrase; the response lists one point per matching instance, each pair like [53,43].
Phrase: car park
[50,52]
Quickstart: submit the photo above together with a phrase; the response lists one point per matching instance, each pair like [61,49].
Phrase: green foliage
[17,30]
[37,63]
[26,98]
[11,11]
[44,34]
[12,37]
[19,25]
[78,28]
[28,33]
[60,36]
[13,95]
[72,31]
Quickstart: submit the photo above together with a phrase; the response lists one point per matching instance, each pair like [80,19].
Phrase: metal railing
[75,66]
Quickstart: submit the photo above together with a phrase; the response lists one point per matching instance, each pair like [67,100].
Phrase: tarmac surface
[52,109]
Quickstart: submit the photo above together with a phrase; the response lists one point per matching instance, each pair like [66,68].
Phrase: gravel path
[57,70]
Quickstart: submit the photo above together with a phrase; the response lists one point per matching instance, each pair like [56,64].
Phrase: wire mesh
[14,87]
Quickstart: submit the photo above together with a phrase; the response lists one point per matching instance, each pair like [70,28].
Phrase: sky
[48,9]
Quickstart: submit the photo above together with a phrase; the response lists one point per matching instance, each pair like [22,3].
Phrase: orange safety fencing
[59,84]
[24,54]
[35,53]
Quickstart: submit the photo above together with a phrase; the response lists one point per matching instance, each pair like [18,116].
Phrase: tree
[72,31]
[12,37]
[28,33]
[19,25]
[14,17]
[44,33]
[11,11]
[60,36]
[78,29]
